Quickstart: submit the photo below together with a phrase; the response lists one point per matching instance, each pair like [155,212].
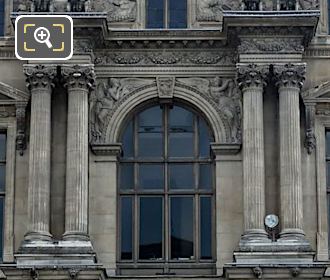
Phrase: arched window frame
[166,264]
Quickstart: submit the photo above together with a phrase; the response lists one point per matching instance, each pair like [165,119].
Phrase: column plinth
[252,79]
[39,81]
[79,80]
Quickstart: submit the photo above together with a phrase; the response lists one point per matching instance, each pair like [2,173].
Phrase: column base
[38,236]
[75,236]
[43,253]
[253,238]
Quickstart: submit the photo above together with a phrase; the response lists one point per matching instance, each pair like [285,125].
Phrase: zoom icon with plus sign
[46,37]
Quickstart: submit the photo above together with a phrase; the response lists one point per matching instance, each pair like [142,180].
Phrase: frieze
[167,58]
[270,45]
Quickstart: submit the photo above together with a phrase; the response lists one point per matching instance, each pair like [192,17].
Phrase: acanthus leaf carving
[79,76]
[290,75]
[106,98]
[252,75]
[39,76]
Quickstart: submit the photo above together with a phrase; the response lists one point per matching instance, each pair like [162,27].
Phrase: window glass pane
[204,139]
[2,177]
[151,228]
[2,16]
[2,203]
[126,228]
[126,176]
[2,146]
[181,176]
[128,141]
[205,176]
[151,176]
[178,13]
[181,133]
[182,231]
[206,227]
[151,133]
[155,13]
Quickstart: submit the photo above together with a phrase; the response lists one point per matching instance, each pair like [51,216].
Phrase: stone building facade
[158,150]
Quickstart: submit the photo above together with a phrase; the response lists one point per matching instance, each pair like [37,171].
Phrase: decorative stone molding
[290,75]
[252,75]
[118,10]
[225,96]
[165,87]
[107,149]
[103,101]
[270,45]
[79,76]
[310,141]
[211,10]
[39,76]
[21,137]
[225,57]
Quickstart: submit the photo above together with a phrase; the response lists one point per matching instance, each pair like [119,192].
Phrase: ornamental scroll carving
[211,10]
[118,10]
[271,45]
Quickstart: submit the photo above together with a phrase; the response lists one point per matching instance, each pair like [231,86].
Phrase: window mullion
[166,187]
[166,13]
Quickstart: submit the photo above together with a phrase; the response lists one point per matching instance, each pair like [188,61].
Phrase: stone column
[290,78]
[79,79]
[252,79]
[39,81]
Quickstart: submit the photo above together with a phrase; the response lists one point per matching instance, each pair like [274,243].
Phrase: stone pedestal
[39,79]
[79,80]
[252,79]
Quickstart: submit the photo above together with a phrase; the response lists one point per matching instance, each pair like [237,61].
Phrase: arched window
[166,191]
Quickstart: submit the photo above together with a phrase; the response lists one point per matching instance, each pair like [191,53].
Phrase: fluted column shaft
[39,80]
[78,81]
[252,80]
[290,78]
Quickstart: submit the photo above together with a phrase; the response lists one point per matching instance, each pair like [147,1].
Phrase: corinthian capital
[39,76]
[290,75]
[252,75]
[79,76]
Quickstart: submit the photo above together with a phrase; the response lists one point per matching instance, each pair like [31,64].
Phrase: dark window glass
[128,141]
[127,176]
[2,16]
[150,133]
[166,189]
[181,176]
[155,13]
[205,176]
[2,146]
[206,227]
[182,232]
[126,228]
[151,176]
[151,228]
[181,133]
[178,13]
[204,138]
[329,15]
[2,177]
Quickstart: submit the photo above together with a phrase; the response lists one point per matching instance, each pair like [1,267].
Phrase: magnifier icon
[41,35]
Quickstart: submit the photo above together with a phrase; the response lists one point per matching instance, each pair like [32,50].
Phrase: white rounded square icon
[43,37]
